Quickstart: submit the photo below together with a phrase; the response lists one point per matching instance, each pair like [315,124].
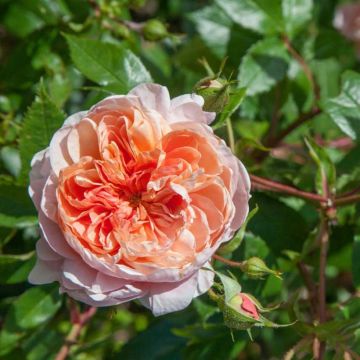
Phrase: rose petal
[154,97]
[169,297]
[44,272]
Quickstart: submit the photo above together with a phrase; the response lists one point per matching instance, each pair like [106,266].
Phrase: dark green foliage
[59,57]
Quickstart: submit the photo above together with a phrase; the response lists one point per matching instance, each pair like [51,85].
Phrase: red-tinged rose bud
[245,305]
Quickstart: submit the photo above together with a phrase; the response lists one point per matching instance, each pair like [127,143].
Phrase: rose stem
[307,71]
[266,184]
[324,244]
[270,140]
[230,132]
[78,322]
[228,262]
[310,285]
[260,183]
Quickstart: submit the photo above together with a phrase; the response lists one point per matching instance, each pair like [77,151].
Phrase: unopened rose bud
[241,312]
[121,31]
[257,269]
[215,92]
[154,30]
[243,304]
[136,4]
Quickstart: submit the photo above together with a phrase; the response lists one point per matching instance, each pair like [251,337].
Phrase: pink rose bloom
[134,197]
[347,21]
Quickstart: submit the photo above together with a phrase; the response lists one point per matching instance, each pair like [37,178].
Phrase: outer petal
[44,251]
[205,280]
[91,287]
[48,201]
[54,237]
[45,272]
[189,108]
[164,298]
[241,197]
[58,149]
[154,97]
[40,170]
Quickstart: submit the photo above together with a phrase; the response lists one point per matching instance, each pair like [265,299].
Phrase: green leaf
[43,343]
[327,74]
[263,16]
[265,64]
[110,65]
[204,342]
[231,286]
[204,310]
[11,159]
[236,98]
[345,109]
[15,268]
[356,262]
[21,21]
[34,307]
[8,341]
[24,17]
[326,173]
[214,27]
[281,227]
[157,342]
[59,88]
[296,14]
[41,121]
[16,208]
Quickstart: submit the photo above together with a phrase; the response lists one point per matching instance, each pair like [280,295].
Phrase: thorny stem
[324,244]
[78,320]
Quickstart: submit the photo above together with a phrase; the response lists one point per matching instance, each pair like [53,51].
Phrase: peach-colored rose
[134,197]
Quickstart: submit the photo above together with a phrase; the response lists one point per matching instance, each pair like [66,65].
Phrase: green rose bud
[257,269]
[121,31]
[215,92]
[136,4]
[154,30]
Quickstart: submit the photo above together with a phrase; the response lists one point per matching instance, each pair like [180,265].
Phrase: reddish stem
[227,262]
[346,200]
[266,184]
[310,285]
[303,64]
[324,244]
[79,320]
[285,132]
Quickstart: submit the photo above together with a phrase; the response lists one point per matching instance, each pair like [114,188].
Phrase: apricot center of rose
[134,200]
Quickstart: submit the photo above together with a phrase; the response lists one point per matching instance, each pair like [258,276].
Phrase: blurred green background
[58,57]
